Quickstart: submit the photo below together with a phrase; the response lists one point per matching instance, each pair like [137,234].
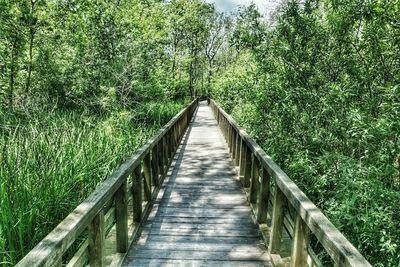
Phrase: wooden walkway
[201,216]
[178,202]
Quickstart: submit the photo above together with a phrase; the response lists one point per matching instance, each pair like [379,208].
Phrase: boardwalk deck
[201,216]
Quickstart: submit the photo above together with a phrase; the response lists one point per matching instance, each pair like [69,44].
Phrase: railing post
[243,151]
[233,145]
[121,218]
[147,176]
[154,165]
[247,167]
[263,197]
[165,154]
[255,167]
[137,194]
[300,243]
[277,222]
[230,134]
[96,240]
[237,153]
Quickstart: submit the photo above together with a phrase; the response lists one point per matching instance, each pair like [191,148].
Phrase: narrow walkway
[201,216]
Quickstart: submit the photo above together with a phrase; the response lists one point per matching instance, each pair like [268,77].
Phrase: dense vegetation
[320,91]
[84,83]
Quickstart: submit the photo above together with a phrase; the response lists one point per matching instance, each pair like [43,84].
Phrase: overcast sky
[264,6]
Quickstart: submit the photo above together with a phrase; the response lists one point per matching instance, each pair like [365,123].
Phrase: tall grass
[50,162]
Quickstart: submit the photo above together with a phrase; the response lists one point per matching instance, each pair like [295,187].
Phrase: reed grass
[50,162]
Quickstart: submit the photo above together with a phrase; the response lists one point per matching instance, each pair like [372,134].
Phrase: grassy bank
[49,162]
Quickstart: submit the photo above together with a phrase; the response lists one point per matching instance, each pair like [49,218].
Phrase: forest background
[83,84]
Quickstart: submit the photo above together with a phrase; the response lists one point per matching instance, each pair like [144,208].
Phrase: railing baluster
[154,165]
[247,167]
[137,194]
[263,197]
[121,218]
[277,222]
[243,151]
[255,167]
[147,177]
[233,138]
[237,153]
[300,243]
[96,240]
[165,154]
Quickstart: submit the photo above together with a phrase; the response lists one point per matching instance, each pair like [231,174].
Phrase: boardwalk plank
[201,216]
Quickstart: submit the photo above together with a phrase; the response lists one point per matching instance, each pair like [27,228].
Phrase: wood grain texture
[202,216]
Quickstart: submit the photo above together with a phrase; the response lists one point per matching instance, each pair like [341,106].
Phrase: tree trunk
[12,72]
[28,79]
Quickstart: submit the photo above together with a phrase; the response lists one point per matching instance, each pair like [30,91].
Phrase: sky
[264,6]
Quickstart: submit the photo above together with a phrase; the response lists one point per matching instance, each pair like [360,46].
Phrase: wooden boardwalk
[201,216]
[178,202]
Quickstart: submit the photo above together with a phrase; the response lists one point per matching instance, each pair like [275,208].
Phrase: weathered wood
[201,209]
[233,145]
[53,246]
[147,177]
[337,246]
[154,166]
[96,241]
[277,222]
[137,194]
[300,244]
[247,168]
[161,158]
[165,154]
[243,151]
[255,167]
[263,197]
[121,218]
[238,145]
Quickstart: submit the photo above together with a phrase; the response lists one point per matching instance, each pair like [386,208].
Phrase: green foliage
[320,93]
[51,162]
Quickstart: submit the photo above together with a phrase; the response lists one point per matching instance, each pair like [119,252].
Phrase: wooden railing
[107,206]
[264,178]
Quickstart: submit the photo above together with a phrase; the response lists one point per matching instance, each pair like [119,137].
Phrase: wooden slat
[263,197]
[201,207]
[147,177]
[137,194]
[277,223]
[300,244]
[255,167]
[96,241]
[121,218]
[247,168]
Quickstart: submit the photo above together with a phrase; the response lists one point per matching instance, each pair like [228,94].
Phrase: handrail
[148,165]
[257,168]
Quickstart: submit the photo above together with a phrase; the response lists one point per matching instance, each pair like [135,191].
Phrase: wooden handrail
[153,160]
[257,168]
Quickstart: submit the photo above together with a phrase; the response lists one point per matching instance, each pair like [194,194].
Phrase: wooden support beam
[137,194]
[243,151]
[147,177]
[277,222]
[154,165]
[165,154]
[300,243]
[263,196]
[247,167]
[96,240]
[121,218]
[255,176]
[237,153]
